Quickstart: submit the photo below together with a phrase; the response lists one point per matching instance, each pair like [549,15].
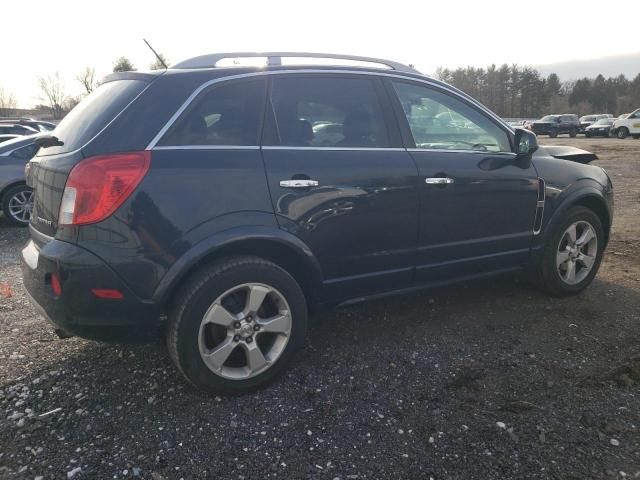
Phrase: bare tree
[123,64]
[88,79]
[53,93]
[70,103]
[7,102]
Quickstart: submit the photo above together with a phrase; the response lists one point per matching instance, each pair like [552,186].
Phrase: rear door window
[94,113]
[227,114]
[327,112]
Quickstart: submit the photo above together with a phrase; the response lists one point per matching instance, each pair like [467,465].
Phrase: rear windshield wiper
[48,141]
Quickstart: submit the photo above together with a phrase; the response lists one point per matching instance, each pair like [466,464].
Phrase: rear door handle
[438,181]
[300,183]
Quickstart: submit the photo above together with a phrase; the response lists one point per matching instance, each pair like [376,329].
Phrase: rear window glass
[94,113]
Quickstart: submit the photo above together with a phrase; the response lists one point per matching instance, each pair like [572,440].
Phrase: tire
[17,203]
[548,276]
[587,134]
[553,133]
[623,132]
[573,133]
[635,136]
[224,287]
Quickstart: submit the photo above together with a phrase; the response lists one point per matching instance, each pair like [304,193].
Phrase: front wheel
[553,133]
[623,133]
[587,134]
[572,256]
[235,325]
[573,133]
[635,136]
[17,204]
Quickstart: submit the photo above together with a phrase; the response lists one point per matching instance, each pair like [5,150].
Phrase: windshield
[587,119]
[603,121]
[549,118]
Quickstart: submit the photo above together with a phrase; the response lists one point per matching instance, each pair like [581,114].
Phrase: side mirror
[526,143]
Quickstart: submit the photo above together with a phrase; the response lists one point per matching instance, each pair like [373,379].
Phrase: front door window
[439,121]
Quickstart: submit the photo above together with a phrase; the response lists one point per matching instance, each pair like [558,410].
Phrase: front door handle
[299,183]
[438,181]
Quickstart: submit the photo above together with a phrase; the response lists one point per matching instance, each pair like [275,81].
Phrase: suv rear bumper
[77,310]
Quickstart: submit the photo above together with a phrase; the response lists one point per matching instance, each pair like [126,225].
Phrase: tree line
[514,91]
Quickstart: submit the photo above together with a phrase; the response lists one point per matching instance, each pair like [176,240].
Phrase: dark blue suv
[223,205]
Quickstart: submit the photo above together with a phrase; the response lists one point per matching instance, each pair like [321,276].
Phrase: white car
[623,127]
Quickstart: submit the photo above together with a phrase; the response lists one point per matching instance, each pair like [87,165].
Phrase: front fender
[228,238]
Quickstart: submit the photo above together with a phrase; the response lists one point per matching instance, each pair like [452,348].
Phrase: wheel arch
[281,248]
[590,198]
[599,206]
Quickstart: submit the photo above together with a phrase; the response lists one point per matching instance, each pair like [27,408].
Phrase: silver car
[15,197]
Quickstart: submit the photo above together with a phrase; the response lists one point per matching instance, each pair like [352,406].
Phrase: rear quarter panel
[186,197]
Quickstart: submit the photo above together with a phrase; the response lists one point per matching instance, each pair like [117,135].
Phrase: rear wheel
[572,255]
[573,133]
[17,204]
[587,134]
[623,132]
[635,136]
[235,325]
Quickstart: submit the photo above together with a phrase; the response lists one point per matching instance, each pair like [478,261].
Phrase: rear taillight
[97,186]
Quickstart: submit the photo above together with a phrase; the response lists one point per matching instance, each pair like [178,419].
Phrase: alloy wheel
[577,252]
[21,205]
[244,331]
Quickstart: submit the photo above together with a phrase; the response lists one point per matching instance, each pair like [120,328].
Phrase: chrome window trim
[451,150]
[365,149]
[207,147]
[425,80]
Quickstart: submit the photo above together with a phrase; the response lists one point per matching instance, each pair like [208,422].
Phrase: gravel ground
[489,380]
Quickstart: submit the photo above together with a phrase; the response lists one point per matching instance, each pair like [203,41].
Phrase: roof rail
[275,59]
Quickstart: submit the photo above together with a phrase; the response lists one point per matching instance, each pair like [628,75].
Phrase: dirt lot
[490,380]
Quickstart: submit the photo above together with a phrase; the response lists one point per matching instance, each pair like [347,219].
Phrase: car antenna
[156,54]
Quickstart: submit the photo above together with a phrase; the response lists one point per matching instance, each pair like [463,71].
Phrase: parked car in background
[554,125]
[38,125]
[16,129]
[405,182]
[591,119]
[600,128]
[16,198]
[630,125]
[8,136]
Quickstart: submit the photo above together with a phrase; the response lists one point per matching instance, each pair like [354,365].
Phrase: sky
[65,36]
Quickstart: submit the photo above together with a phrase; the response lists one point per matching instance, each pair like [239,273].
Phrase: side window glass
[227,114]
[440,121]
[25,153]
[328,112]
